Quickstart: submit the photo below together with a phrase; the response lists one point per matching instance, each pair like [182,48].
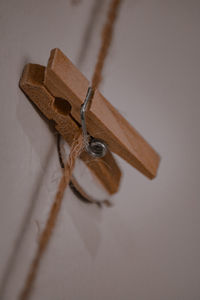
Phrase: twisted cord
[75,151]
[106,39]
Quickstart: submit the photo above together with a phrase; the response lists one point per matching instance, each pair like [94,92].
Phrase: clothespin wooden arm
[106,168]
[64,80]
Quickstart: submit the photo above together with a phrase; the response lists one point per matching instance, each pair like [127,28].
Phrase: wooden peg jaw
[105,169]
[64,80]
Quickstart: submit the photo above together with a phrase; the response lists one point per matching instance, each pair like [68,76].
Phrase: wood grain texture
[64,80]
[106,168]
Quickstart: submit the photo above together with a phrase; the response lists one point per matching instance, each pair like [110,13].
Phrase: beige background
[147,247]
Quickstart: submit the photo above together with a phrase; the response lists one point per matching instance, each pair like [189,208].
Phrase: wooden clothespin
[58,110]
[59,90]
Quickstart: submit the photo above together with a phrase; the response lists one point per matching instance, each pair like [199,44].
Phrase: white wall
[147,246]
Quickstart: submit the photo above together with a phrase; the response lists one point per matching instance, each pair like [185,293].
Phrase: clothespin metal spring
[95,147]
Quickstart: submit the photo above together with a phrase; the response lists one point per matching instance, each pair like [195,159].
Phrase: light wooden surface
[32,83]
[64,80]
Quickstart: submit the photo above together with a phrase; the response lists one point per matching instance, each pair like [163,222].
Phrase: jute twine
[76,149]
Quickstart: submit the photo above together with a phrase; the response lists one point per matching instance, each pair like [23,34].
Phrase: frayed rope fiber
[76,149]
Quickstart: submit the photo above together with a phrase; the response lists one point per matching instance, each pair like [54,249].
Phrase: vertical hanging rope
[75,151]
[107,34]
[53,214]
